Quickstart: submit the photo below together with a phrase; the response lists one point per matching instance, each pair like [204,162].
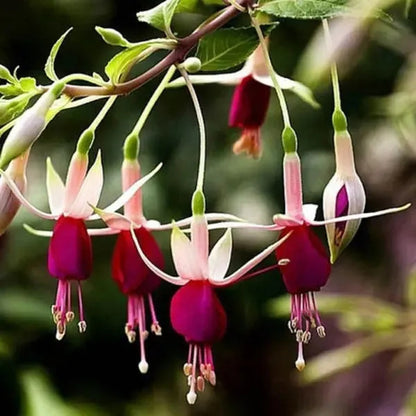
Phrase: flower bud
[344,195]
[29,127]
[192,64]
[9,204]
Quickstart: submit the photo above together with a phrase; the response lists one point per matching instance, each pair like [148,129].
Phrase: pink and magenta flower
[196,312]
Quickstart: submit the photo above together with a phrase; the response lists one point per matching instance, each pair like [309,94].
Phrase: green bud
[289,140]
[112,37]
[339,121]
[192,64]
[198,203]
[131,147]
[85,141]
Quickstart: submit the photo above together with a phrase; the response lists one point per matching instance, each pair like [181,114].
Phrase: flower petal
[301,90]
[232,78]
[55,188]
[23,200]
[115,220]
[176,280]
[250,264]
[90,191]
[39,233]
[130,192]
[219,258]
[309,212]
[184,256]
[200,242]
[364,215]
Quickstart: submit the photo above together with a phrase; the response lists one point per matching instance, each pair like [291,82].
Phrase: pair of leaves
[15,86]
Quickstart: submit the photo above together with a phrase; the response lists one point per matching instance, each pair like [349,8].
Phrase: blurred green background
[96,373]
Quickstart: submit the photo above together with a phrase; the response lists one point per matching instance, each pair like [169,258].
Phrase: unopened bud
[29,126]
[112,36]
[192,65]
[344,195]
[9,204]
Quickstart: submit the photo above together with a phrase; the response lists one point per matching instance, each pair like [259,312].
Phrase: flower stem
[153,99]
[334,72]
[273,76]
[202,134]
[103,112]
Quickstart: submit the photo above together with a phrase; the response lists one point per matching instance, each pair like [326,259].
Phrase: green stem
[334,72]
[273,76]
[202,134]
[151,103]
[103,112]
[83,77]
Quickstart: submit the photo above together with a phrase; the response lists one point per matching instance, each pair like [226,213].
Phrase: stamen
[299,335]
[212,378]
[283,262]
[69,316]
[131,336]
[321,331]
[200,383]
[187,369]
[60,331]
[155,327]
[82,326]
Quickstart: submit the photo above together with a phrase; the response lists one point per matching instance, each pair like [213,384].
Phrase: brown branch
[176,56]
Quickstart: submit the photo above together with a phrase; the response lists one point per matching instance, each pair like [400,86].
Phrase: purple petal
[341,209]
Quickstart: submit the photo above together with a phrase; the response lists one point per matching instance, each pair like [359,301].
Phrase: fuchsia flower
[302,259]
[196,312]
[251,98]
[131,274]
[70,253]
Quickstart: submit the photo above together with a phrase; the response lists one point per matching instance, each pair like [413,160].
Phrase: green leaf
[226,48]
[50,62]
[160,17]
[306,9]
[125,59]
[10,90]
[27,84]
[112,37]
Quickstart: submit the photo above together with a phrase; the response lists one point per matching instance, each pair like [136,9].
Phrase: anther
[131,336]
[82,326]
[69,316]
[306,337]
[187,369]
[321,331]
[283,262]
[299,335]
[290,326]
[145,335]
[212,378]
[200,383]
[54,308]
[60,331]
[156,328]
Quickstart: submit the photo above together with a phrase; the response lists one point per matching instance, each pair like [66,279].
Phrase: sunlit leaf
[50,62]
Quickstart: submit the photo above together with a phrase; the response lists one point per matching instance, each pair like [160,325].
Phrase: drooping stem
[202,134]
[153,99]
[273,76]
[177,55]
[334,72]
[103,112]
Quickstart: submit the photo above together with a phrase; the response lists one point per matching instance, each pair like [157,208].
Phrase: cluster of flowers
[137,265]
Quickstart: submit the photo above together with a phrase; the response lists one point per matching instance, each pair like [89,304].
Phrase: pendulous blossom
[302,259]
[196,312]
[70,254]
[251,98]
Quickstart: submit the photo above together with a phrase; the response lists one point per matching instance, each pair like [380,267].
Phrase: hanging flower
[196,312]
[302,259]
[251,98]
[70,254]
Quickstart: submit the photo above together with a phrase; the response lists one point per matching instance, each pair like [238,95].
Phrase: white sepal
[220,256]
